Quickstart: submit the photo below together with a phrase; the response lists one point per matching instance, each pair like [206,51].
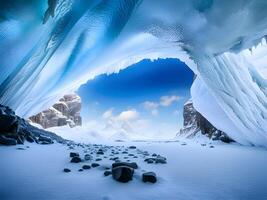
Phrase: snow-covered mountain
[81,39]
[65,112]
[195,123]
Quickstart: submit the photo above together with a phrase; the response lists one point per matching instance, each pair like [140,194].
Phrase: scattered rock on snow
[73,154]
[66,170]
[7,141]
[95,165]
[76,159]
[122,173]
[86,167]
[107,173]
[149,177]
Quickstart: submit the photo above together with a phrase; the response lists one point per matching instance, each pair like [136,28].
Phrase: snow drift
[40,63]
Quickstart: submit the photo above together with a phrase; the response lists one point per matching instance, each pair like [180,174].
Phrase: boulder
[149,177]
[160,160]
[7,141]
[122,174]
[86,167]
[8,124]
[107,173]
[44,140]
[73,154]
[66,170]
[149,160]
[88,157]
[95,165]
[76,159]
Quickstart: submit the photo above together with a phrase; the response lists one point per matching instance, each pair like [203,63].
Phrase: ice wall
[40,62]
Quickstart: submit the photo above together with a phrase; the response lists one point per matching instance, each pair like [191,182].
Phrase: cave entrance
[143,101]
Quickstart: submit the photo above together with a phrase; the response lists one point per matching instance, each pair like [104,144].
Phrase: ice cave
[50,48]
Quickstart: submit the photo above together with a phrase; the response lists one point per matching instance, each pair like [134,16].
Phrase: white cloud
[128,115]
[164,101]
[168,100]
[150,105]
[108,114]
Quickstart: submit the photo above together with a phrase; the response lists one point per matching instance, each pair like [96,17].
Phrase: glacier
[49,48]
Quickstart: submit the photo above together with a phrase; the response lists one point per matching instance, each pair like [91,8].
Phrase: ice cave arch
[40,62]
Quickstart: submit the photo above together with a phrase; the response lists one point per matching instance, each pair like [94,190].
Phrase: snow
[192,172]
[88,38]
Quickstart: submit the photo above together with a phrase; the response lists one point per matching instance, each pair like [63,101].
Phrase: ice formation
[223,42]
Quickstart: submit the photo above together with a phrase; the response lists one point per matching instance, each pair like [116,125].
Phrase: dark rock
[132,165]
[76,159]
[107,173]
[88,157]
[224,138]
[66,170]
[73,154]
[44,140]
[154,155]
[98,159]
[8,123]
[20,139]
[7,141]
[86,167]
[211,146]
[149,177]
[30,138]
[149,160]
[100,153]
[122,173]
[160,160]
[95,165]
[80,170]
[132,147]
[21,148]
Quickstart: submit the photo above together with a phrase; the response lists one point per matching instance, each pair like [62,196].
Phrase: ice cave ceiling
[49,48]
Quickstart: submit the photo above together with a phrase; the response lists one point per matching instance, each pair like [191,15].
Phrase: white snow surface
[41,63]
[192,172]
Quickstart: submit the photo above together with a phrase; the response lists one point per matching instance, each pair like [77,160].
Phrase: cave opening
[143,101]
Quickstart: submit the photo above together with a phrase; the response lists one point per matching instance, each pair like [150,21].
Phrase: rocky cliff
[65,111]
[15,130]
[194,122]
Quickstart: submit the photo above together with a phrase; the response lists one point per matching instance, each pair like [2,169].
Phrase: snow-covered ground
[192,172]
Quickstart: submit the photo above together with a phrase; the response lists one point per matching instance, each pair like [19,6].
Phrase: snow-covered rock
[194,122]
[66,111]
[15,130]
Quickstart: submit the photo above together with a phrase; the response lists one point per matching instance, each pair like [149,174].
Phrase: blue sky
[149,94]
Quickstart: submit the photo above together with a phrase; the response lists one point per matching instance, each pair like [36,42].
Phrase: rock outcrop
[66,111]
[15,130]
[194,122]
